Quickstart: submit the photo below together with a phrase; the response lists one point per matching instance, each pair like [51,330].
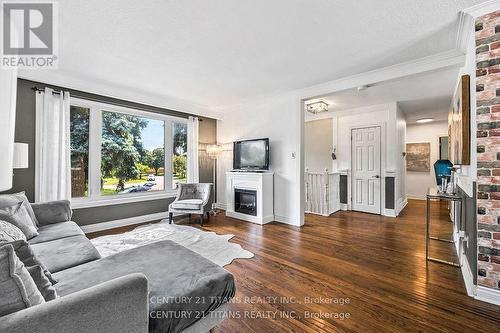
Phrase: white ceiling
[426,95]
[222,52]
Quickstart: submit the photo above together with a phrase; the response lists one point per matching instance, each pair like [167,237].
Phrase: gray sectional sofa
[161,287]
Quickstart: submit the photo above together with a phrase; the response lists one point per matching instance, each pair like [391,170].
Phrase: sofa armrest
[52,211]
[118,305]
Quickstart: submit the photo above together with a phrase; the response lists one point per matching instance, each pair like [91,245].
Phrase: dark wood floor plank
[377,262]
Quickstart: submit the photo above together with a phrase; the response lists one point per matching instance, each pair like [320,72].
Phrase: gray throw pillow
[42,283]
[10,233]
[18,216]
[17,287]
[28,257]
[12,199]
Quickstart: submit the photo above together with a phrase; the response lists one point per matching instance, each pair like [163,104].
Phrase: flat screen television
[251,154]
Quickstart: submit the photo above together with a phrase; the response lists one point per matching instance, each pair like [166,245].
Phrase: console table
[433,194]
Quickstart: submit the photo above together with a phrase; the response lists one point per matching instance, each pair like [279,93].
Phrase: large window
[79,136]
[119,152]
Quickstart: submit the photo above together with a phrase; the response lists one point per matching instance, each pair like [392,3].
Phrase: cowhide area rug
[215,248]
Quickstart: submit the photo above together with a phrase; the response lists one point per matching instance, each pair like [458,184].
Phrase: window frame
[94,197]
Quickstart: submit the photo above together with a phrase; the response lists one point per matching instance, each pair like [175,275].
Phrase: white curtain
[52,159]
[192,151]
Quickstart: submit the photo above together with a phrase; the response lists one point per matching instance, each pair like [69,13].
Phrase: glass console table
[434,194]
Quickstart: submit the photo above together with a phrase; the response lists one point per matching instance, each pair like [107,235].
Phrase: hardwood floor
[376,264]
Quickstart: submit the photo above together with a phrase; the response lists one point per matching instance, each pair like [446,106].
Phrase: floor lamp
[213,151]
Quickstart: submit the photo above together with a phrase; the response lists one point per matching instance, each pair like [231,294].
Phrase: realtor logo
[29,34]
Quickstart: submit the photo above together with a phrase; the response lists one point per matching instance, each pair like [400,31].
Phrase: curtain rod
[93,99]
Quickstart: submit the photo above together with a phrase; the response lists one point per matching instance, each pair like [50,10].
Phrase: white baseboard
[416,196]
[123,222]
[401,205]
[285,220]
[468,277]
[221,205]
[488,295]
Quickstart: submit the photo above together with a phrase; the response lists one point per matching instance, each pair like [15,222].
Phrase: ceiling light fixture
[317,107]
[424,120]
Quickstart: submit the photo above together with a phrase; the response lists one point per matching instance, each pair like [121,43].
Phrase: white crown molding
[437,61]
[465,31]
[108,89]
[483,8]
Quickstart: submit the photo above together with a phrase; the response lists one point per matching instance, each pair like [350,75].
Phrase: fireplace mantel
[262,184]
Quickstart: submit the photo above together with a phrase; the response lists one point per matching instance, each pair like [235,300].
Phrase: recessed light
[364,87]
[425,120]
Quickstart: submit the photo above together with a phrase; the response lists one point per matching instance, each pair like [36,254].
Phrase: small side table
[432,193]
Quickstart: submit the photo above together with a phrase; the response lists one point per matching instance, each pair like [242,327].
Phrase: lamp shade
[213,150]
[21,160]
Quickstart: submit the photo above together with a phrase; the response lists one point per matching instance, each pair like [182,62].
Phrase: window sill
[88,203]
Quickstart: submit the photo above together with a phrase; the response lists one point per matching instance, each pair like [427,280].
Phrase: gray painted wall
[24,179]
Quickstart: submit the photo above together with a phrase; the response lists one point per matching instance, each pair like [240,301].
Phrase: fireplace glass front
[245,201]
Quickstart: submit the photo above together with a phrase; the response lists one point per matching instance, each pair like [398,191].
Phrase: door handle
[376,176]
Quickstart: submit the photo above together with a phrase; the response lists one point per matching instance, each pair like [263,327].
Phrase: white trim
[488,295]
[440,60]
[388,212]
[401,205]
[221,205]
[79,203]
[123,222]
[483,8]
[468,277]
[465,31]
[286,220]
[96,109]
[415,197]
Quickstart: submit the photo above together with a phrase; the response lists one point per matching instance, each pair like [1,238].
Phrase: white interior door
[366,169]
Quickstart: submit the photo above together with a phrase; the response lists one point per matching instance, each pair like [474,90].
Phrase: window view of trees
[79,137]
[179,158]
[132,153]
[128,164]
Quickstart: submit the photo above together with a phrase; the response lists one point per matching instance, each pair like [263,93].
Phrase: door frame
[383,170]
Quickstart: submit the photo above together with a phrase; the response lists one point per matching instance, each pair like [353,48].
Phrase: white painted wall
[318,143]
[400,160]
[417,183]
[278,119]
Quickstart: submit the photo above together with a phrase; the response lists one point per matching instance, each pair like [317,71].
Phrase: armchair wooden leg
[170,218]
[189,219]
[202,218]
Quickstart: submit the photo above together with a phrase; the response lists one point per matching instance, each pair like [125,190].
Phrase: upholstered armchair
[192,199]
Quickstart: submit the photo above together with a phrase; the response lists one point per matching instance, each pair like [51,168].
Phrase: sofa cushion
[191,204]
[17,287]
[66,252]
[11,199]
[56,231]
[172,272]
[10,233]
[18,216]
[42,283]
[25,253]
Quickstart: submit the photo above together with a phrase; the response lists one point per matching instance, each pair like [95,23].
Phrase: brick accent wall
[488,148]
